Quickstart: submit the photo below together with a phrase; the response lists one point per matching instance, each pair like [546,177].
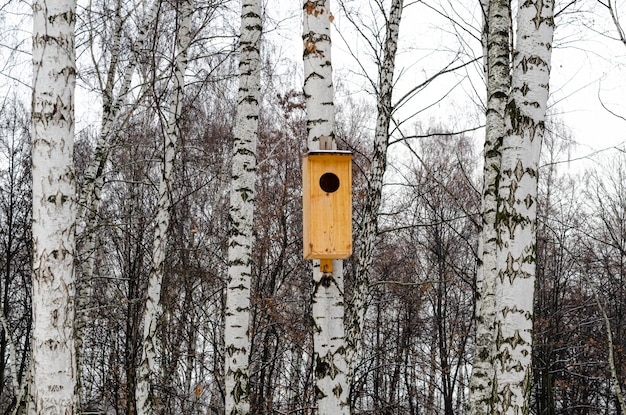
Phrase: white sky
[586,65]
[587,70]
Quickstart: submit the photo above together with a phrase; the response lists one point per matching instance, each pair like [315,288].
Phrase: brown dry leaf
[198,391]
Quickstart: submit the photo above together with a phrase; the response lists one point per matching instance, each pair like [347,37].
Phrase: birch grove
[53,361]
[241,213]
[151,208]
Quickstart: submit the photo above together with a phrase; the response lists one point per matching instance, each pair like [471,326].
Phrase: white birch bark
[241,213]
[331,384]
[498,72]
[146,399]
[53,388]
[517,205]
[369,227]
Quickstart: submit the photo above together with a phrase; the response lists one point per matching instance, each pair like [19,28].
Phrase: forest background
[418,331]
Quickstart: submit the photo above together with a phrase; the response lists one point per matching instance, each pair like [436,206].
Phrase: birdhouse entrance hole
[329,182]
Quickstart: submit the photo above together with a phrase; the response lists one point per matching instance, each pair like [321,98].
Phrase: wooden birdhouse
[327,205]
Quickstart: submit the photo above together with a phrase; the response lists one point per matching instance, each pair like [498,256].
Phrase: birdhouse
[327,205]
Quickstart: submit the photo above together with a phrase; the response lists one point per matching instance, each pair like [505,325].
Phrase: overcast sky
[587,66]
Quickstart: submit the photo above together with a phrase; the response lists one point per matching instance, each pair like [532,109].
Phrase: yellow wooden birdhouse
[327,205]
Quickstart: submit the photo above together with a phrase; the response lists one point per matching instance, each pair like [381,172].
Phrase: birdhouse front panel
[327,204]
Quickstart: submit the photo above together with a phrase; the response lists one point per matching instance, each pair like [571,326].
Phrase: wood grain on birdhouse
[327,204]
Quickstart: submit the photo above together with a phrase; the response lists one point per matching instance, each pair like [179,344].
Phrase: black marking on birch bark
[316,122]
[519,171]
[61,41]
[319,394]
[507,397]
[337,390]
[249,99]
[515,340]
[528,201]
[68,16]
[524,89]
[252,15]
[528,61]
[68,72]
[539,6]
[327,280]
[241,385]
[244,151]
[322,368]
[246,194]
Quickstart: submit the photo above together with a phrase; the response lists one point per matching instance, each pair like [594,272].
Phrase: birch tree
[93,180]
[517,98]
[241,212]
[496,41]
[558,214]
[146,399]
[369,226]
[331,385]
[53,387]
[516,219]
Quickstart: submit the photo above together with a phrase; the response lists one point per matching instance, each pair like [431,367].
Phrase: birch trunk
[242,200]
[146,398]
[53,388]
[496,40]
[369,227]
[331,384]
[517,206]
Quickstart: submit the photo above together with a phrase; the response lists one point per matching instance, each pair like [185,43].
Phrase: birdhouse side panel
[306,209]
